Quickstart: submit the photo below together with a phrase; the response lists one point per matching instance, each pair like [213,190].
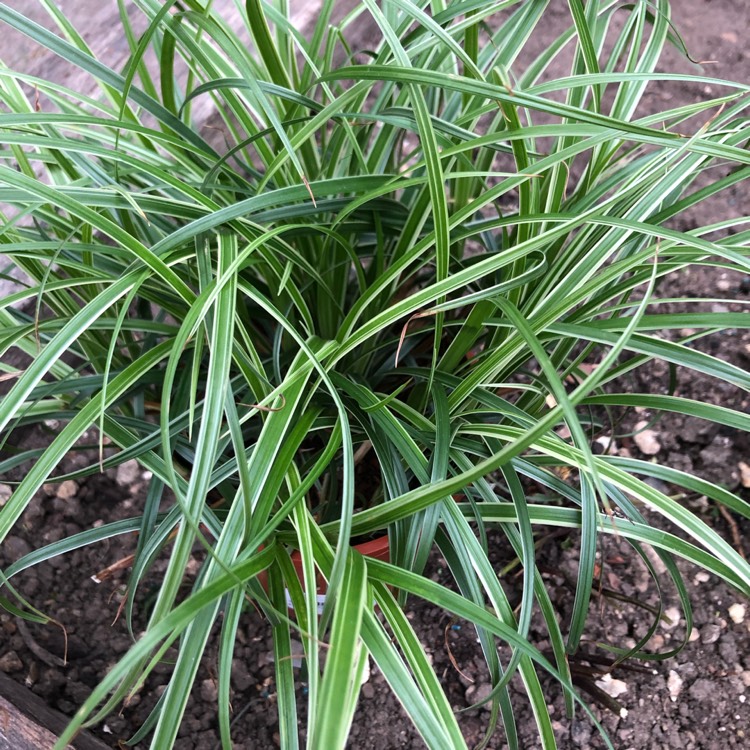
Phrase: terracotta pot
[378,549]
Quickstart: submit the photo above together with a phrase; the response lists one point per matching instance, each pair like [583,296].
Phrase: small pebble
[607,444]
[67,490]
[128,473]
[5,492]
[478,694]
[646,440]
[710,634]
[209,691]
[737,613]
[611,686]
[674,685]
[673,618]
[10,662]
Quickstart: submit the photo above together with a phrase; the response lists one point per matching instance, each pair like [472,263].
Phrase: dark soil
[696,700]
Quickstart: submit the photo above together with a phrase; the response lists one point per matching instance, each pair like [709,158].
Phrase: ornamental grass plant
[399,300]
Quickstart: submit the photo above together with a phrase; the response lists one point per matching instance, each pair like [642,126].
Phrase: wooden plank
[28,723]
[17,732]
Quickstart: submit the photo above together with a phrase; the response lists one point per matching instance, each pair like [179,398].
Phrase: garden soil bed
[696,700]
